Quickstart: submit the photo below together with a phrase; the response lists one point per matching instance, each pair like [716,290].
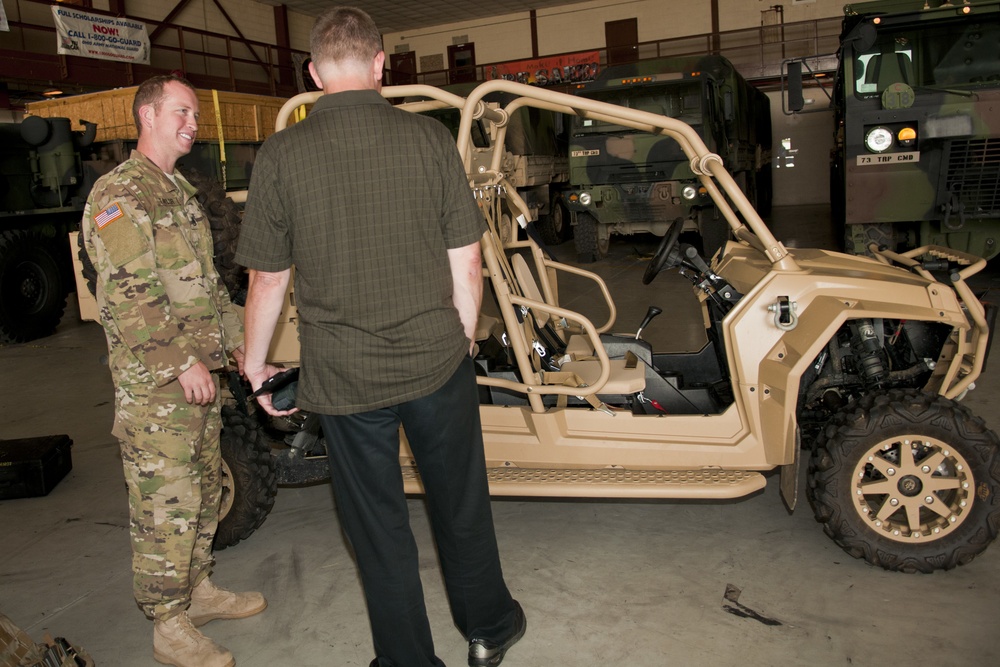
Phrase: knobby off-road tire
[32,287]
[588,246]
[907,481]
[249,482]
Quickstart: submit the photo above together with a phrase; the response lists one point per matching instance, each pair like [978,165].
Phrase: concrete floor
[602,583]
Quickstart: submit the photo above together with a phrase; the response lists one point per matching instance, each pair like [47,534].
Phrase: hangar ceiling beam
[168,19]
[267,70]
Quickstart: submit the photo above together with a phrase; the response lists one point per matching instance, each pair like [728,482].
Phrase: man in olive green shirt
[372,206]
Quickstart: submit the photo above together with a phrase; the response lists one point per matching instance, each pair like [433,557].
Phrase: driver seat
[577,357]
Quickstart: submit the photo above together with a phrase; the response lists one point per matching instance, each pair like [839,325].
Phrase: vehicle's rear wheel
[32,288]
[249,484]
[907,481]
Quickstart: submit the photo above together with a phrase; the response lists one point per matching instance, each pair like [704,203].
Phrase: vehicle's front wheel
[590,246]
[249,483]
[908,481]
[554,228]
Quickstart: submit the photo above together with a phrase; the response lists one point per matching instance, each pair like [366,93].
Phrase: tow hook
[784,313]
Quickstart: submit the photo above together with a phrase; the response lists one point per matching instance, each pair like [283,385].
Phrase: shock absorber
[868,347]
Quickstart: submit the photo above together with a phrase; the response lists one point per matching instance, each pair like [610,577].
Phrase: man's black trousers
[445,436]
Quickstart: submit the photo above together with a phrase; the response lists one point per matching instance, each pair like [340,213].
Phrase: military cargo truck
[49,163]
[917,125]
[624,181]
[44,182]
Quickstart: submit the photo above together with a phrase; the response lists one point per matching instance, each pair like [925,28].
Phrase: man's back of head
[345,43]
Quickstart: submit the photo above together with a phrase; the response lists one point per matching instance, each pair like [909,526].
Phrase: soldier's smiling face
[175,122]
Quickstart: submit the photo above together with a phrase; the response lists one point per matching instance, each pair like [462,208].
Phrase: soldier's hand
[256,376]
[239,355]
[198,384]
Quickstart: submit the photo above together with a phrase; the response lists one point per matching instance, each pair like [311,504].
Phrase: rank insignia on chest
[108,215]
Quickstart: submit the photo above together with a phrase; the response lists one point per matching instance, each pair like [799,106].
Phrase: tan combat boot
[209,603]
[176,642]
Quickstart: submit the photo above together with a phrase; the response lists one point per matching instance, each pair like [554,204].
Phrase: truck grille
[974,176]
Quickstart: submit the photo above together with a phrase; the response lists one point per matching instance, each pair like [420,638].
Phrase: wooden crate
[244,117]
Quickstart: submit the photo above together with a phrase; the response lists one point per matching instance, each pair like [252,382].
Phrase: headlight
[689,192]
[585,198]
[878,139]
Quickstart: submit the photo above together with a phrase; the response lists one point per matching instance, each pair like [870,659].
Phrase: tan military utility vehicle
[853,363]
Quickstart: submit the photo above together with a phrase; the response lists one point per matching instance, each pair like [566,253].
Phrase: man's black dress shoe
[483,653]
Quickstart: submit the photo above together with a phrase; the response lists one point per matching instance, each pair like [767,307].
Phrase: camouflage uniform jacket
[162,303]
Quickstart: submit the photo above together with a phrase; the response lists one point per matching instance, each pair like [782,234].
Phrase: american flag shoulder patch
[108,215]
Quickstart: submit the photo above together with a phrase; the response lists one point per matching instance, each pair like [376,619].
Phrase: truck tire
[907,481]
[249,483]
[554,228]
[588,247]
[32,287]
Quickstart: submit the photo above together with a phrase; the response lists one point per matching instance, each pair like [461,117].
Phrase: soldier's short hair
[344,34]
[151,92]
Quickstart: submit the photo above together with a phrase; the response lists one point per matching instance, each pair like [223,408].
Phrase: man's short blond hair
[344,34]
[151,92]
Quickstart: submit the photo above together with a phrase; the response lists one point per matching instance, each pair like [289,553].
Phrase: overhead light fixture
[52,92]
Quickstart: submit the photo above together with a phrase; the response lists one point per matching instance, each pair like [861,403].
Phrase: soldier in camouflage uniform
[169,323]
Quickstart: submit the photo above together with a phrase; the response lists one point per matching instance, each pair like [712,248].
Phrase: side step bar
[610,483]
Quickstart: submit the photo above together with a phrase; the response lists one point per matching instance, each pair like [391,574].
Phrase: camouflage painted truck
[851,365]
[917,125]
[44,181]
[624,181]
[50,161]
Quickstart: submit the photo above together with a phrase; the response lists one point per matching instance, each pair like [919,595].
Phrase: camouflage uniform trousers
[171,455]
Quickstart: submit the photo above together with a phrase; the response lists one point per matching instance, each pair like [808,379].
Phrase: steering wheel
[665,256]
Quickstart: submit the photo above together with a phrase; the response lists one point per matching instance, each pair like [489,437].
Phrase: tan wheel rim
[912,488]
